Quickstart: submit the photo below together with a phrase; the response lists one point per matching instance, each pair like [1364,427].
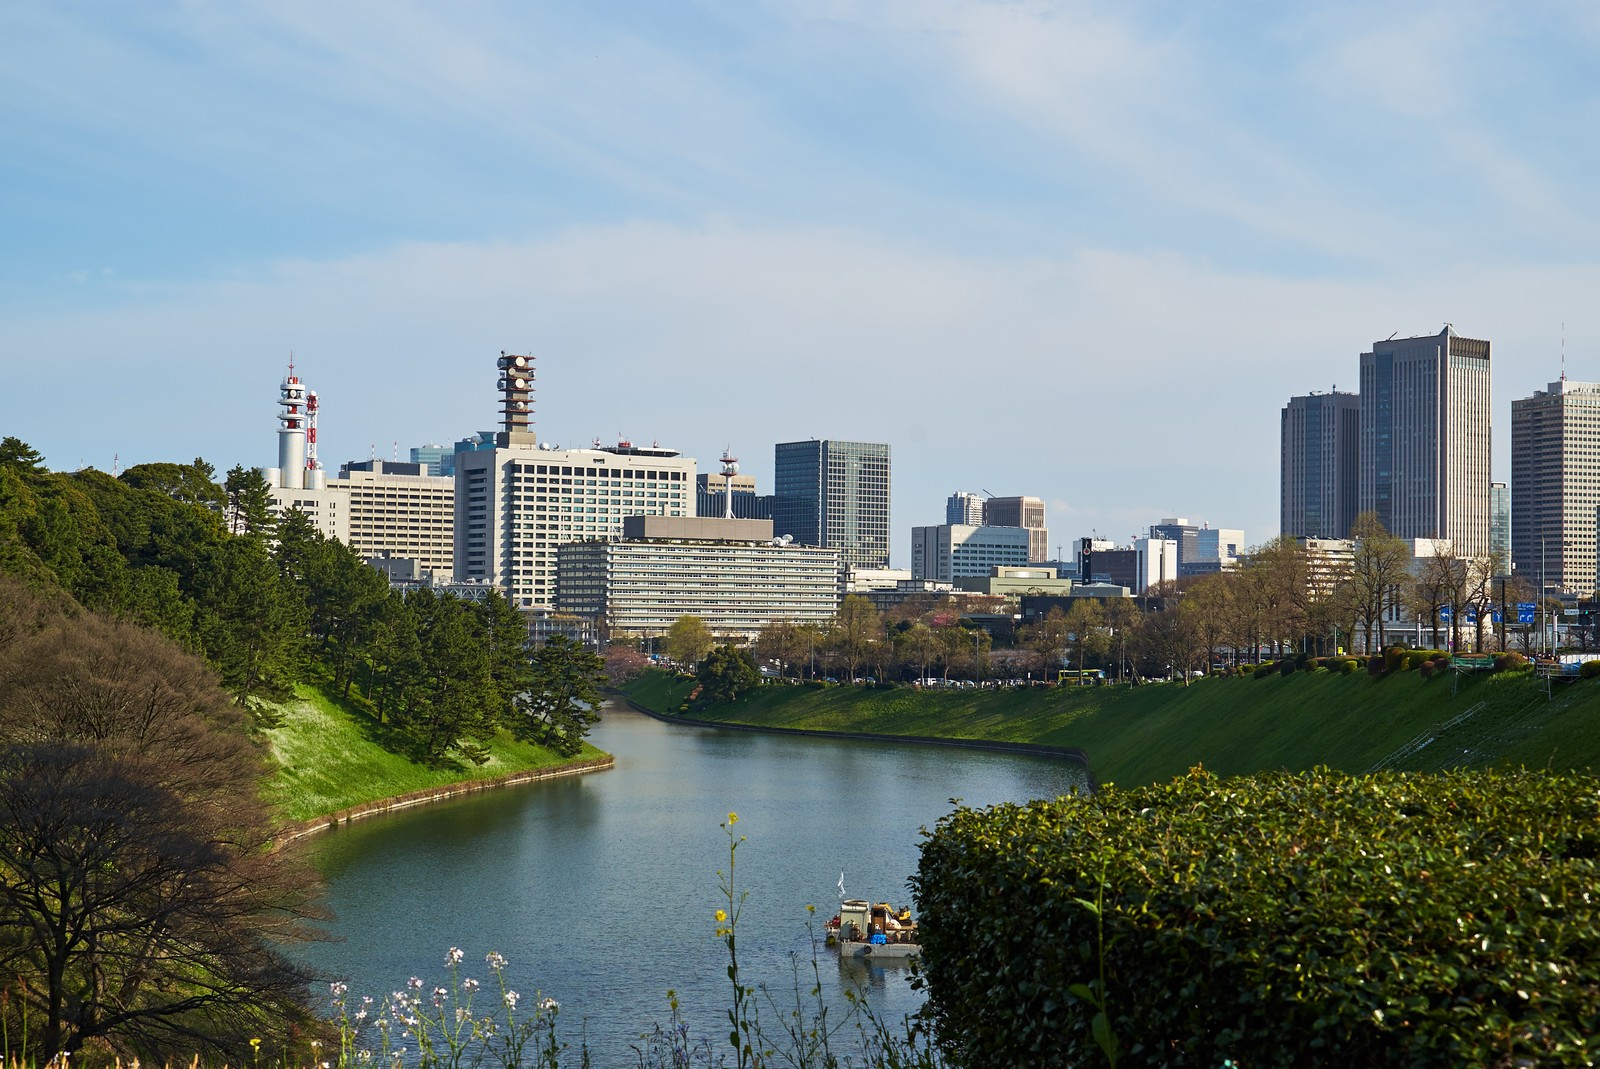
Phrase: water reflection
[600,889]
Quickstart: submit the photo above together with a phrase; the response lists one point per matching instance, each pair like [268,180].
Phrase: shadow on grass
[364,715]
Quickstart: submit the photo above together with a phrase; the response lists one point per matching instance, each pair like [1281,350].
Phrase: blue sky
[1074,250]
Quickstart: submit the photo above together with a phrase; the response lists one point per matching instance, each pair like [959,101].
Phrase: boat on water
[878,933]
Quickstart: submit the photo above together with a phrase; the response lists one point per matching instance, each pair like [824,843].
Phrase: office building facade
[834,495]
[1425,437]
[1319,473]
[517,501]
[1024,512]
[954,551]
[1555,485]
[730,573]
[396,510]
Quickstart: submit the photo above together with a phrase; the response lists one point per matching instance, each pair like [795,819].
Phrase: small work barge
[880,934]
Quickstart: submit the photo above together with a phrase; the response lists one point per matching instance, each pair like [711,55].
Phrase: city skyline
[1079,235]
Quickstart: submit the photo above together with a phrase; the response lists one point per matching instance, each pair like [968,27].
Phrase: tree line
[270,602]
[1283,598]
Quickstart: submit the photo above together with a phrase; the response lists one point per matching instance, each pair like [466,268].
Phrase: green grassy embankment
[1153,732]
[329,758]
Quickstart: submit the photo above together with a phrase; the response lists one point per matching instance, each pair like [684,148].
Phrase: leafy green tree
[192,484]
[563,700]
[249,510]
[727,672]
[510,665]
[446,703]
[689,640]
[918,645]
[252,624]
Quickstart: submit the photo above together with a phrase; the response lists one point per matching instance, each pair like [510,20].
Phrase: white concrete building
[518,501]
[954,551]
[729,572]
[394,510]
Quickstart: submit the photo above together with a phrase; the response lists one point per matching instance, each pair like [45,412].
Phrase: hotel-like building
[518,501]
[1555,485]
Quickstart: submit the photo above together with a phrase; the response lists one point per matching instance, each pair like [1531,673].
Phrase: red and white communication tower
[730,468]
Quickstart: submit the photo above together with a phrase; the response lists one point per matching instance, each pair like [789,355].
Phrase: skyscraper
[1025,512]
[1425,438]
[964,508]
[835,495]
[1555,484]
[1318,483]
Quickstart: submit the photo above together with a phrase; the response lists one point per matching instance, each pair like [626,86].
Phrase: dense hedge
[1314,919]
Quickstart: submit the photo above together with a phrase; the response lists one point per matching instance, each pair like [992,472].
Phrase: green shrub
[1510,661]
[1427,668]
[1287,666]
[1377,665]
[1347,666]
[815,684]
[1264,669]
[1314,919]
[1589,669]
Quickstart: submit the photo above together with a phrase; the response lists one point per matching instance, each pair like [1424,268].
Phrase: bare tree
[1379,571]
[141,911]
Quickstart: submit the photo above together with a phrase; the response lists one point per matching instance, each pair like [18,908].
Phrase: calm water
[600,889]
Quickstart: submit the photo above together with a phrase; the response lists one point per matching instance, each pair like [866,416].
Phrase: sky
[1081,251]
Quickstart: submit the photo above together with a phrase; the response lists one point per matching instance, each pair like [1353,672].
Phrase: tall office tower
[1500,526]
[835,495]
[964,508]
[517,500]
[1425,439]
[1319,474]
[1555,485]
[1025,512]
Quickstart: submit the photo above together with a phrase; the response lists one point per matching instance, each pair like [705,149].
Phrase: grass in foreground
[328,759]
[1154,732]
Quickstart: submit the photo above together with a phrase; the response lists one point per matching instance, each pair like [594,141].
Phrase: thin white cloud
[1103,379]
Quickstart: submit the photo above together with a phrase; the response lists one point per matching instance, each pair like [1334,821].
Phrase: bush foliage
[1277,920]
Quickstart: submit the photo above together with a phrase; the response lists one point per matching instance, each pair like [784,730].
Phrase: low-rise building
[1014,582]
[731,573]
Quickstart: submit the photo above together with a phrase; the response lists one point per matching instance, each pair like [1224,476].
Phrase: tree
[1378,572]
[253,624]
[624,664]
[1047,638]
[918,645]
[856,627]
[563,699]
[192,484]
[249,510]
[1085,624]
[728,672]
[447,700]
[1122,620]
[689,640]
[140,907]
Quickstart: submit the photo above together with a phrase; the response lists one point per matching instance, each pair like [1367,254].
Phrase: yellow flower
[255,1042]
[733,818]
[722,915]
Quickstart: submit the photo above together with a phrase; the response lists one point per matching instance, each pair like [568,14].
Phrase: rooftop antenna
[1563,352]
[116,464]
[730,468]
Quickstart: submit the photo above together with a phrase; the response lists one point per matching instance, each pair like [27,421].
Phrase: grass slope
[329,758]
[1151,733]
